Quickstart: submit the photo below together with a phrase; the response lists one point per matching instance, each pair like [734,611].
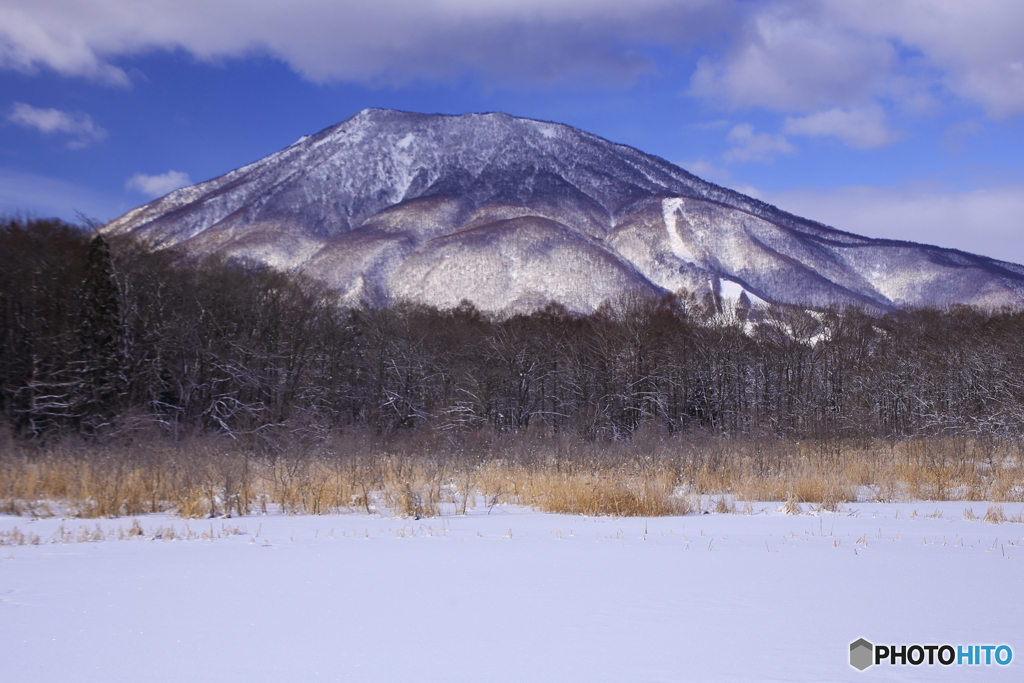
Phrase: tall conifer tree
[99,337]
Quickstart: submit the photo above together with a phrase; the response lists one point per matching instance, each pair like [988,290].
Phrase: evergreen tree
[99,338]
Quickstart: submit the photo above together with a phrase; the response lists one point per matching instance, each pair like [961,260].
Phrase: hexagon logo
[862,654]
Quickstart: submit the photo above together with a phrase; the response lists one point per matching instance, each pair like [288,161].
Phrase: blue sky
[902,120]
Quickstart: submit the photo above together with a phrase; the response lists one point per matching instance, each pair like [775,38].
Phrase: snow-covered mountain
[511,213]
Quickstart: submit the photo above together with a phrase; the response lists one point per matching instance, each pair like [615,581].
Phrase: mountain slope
[511,213]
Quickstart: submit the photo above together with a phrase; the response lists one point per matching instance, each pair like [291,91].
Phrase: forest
[101,338]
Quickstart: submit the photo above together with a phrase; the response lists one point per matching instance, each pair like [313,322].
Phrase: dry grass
[619,492]
[85,534]
[426,474]
[995,514]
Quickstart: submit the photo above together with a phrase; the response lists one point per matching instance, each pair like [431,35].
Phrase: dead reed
[426,474]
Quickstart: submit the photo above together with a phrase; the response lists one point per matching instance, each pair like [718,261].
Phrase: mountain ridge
[391,205]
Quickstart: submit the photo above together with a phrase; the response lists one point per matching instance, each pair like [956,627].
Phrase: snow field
[514,595]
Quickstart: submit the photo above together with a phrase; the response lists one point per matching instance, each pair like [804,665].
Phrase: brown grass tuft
[791,507]
[995,514]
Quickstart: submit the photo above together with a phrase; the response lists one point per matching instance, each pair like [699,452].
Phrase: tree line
[103,338]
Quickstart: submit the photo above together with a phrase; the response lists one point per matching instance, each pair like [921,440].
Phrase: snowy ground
[513,595]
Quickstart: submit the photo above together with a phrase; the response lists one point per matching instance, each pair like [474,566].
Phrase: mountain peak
[511,213]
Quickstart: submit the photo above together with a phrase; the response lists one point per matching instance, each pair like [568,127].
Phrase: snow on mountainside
[511,213]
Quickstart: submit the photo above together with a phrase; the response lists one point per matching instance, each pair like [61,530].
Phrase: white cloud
[974,47]
[157,185]
[751,146]
[387,41]
[789,60]
[791,56]
[81,126]
[807,55]
[986,221]
[862,128]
